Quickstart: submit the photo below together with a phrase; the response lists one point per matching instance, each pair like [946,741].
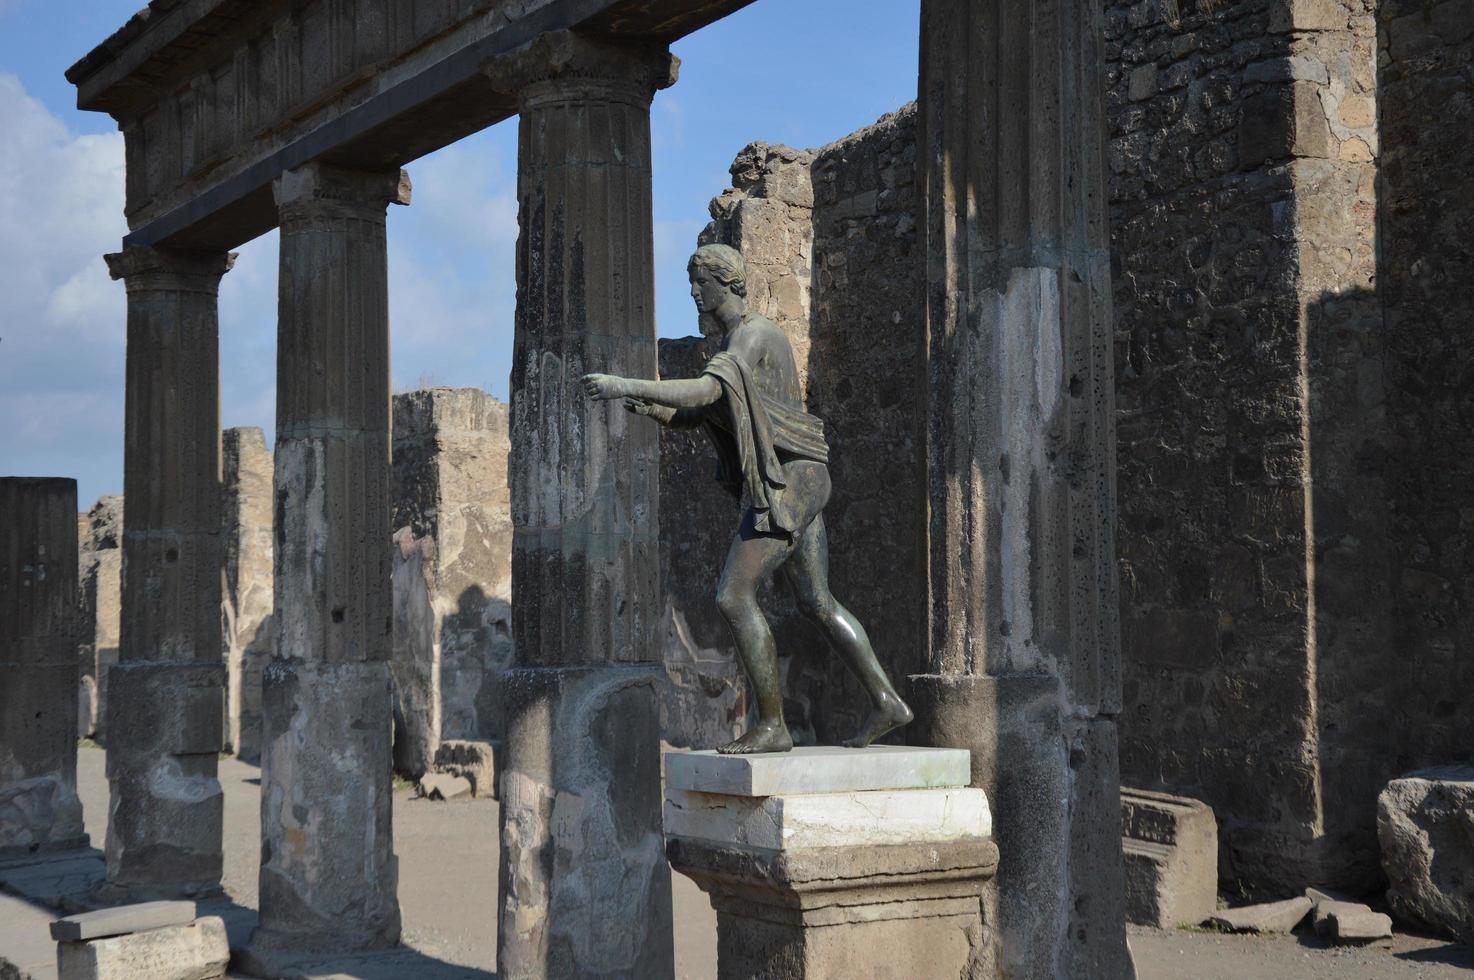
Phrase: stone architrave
[39,808]
[166,691]
[101,581]
[584,884]
[833,863]
[249,632]
[1021,467]
[452,571]
[328,870]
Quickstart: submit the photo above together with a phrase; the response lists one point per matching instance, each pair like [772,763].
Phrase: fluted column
[328,870]
[585,888]
[166,693]
[39,632]
[1021,458]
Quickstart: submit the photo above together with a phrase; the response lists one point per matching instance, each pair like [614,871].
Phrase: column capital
[562,66]
[318,189]
[146,268]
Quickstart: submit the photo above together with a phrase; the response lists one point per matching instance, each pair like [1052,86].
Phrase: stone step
[819,769]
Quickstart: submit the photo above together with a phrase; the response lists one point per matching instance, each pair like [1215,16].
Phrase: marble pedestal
[830,863]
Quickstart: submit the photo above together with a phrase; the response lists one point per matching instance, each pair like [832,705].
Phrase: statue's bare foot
[891,713]
[765,736]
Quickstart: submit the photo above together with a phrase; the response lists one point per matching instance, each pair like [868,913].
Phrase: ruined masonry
[39,809]
[245,118]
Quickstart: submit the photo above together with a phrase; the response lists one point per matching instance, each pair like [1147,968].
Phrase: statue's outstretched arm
[684,393]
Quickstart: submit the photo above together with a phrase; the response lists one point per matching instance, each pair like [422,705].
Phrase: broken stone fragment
[1348,922]
[1269,917]
[443,786]
[122,920]
[1425,824]
[196,951]
[471,759]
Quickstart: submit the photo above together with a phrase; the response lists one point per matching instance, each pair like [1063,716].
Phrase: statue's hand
[604,387]
[639,406]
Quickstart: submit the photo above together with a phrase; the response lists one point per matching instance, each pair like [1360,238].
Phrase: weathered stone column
[39,629]
[166,691]
[247,609]
[585,889]
[1021,460]
[328,871]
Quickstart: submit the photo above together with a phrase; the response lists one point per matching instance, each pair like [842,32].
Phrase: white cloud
[62,337]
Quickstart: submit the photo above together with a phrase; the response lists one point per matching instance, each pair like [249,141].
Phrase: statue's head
[718,279]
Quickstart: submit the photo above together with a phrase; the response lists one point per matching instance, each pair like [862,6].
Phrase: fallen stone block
[441,786]
[1170,845]
[122,920]
[1425,824]
[197,951]
[1348,922]
[474,761]
[1269,917]
[1320,895]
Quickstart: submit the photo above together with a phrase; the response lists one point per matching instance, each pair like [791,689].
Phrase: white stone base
[819,769]
[912,816]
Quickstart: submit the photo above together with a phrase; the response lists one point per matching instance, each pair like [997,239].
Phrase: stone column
[39,630]
[328,871]
[166,691]
[247,609]
[1020,451]
[584,885]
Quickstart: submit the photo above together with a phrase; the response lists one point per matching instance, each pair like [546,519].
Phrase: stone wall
[100,563]
[451,568]
[833,257]
[246,599]
[1276,505]
[1426,286]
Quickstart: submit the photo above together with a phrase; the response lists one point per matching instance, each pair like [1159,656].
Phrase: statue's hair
[725,263]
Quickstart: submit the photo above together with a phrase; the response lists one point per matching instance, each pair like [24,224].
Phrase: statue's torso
[769,356]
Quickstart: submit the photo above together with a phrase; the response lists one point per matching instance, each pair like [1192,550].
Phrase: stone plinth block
[167,805]
[818,769]
[197,951]
[328,871]
[584,887]
[1171,849]
[1425,822]
[824,883]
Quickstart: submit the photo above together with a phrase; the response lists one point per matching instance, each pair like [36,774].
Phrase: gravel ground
[447,895]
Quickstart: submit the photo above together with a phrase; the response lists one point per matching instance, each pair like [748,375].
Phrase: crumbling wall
[246,599]
[830,241]
[452,569]
[100,561]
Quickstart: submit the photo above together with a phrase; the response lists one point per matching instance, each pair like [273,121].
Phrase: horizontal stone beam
[445,100]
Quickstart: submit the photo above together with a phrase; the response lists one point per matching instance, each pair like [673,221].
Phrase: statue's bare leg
[752,558]
[807,572]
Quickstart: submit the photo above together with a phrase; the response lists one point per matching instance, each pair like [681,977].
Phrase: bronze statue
[773,458]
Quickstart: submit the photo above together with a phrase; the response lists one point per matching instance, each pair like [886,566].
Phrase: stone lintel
[818,769]
[146,269]
[562,66]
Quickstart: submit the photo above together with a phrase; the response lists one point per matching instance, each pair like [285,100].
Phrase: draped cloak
[749,432]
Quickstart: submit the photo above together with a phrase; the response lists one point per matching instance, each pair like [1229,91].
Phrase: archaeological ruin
[1141,339]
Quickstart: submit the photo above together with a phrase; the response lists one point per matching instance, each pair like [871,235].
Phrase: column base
[584,887]
[825,863]
[167,810]
[329,876]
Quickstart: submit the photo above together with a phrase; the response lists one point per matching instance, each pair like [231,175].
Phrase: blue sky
[802,72]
